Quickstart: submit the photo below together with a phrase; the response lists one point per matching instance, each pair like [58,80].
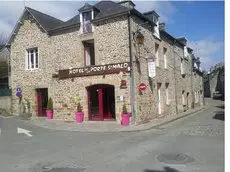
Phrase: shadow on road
[166,169]
[221,107]
[219,115]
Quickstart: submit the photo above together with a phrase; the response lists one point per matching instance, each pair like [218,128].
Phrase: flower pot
[125,119]
[49,114]
[79,117]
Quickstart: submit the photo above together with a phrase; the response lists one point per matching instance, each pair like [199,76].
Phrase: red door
[42,99]
[39,102]
[100,104]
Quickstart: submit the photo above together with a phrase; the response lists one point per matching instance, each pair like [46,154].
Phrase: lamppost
[135,38]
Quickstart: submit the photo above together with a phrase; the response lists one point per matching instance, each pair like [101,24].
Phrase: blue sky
[202,22]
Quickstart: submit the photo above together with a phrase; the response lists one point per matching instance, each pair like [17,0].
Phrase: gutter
[132,93]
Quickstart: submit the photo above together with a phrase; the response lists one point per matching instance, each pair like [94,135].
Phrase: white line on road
[24,131]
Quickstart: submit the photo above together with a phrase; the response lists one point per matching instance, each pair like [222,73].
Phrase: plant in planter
[79,115]
[49,110]
[125,116]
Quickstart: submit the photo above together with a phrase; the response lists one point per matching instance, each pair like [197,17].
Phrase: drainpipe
[174,63]
[192,83]
[132,93]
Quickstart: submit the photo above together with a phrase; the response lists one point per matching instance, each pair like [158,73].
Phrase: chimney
[162,26]
[127,3]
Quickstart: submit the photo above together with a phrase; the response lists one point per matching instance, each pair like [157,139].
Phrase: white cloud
[164,8]
[10,11]
[208,50]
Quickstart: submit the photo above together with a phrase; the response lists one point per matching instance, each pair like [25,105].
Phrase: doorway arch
[101,102]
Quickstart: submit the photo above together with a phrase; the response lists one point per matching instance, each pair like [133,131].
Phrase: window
[196,96]
[89,54]
[183,98]
[182,66]
[32,58]
[87,27]
[165,56]
[157,54]
[167,93]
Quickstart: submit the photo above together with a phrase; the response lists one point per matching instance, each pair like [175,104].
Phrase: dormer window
[87,14]
[87,26]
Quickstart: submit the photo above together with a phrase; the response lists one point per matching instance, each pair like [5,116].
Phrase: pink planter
[125,119]
[49,114]
[79,117]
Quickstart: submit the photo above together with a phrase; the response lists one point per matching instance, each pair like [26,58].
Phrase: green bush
[79,107]
[50,104]
[124,109]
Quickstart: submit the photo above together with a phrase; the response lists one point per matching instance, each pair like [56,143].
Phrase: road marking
[24,131]
[0,131]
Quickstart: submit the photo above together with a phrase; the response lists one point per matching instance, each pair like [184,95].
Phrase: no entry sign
[142,86]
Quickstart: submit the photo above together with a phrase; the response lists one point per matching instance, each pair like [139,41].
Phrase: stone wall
[63,51]
[29,35]
[5,103]
[146,102]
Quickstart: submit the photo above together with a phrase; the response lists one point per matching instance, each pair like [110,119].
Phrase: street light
[138,37]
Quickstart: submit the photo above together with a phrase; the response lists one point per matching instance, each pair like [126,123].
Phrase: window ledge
[36,69]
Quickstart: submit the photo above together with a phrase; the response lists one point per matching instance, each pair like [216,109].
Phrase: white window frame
[182,66]
[167,93]
[28,61]
[157,53]
[183,97]
[165,57]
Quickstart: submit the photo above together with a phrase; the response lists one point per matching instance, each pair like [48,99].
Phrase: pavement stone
[108,126]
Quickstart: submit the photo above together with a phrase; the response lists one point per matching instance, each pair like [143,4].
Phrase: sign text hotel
[94,70]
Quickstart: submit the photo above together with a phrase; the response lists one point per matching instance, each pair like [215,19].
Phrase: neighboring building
[214,81]
[4,67]
[99,59]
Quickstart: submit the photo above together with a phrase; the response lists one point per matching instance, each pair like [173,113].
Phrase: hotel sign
[94,70]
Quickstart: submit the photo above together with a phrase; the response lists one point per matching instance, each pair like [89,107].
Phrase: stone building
[214,82]
[107,55]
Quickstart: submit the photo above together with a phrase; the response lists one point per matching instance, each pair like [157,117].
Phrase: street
[191,144]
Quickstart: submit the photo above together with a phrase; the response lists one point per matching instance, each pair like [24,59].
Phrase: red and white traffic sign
[142,86]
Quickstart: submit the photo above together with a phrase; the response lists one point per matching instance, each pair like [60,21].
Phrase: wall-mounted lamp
[139,37]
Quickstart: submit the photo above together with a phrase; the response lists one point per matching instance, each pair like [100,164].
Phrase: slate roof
[164,33]
[109,8]
[1,47]
[104,8]
[86,7]
[47,22]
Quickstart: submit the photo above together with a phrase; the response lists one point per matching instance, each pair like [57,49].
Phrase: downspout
[132,94]
[192,84]
[174,63]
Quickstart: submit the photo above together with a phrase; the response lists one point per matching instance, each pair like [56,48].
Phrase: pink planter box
[125,119]
[79,116]
[49,114]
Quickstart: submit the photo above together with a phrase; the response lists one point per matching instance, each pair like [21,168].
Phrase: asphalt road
[191,144]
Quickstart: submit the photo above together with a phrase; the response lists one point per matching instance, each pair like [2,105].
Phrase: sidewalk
[107,126]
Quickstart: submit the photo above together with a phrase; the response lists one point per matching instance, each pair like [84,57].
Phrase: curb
[165,122]
[5,117]
[131,129]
